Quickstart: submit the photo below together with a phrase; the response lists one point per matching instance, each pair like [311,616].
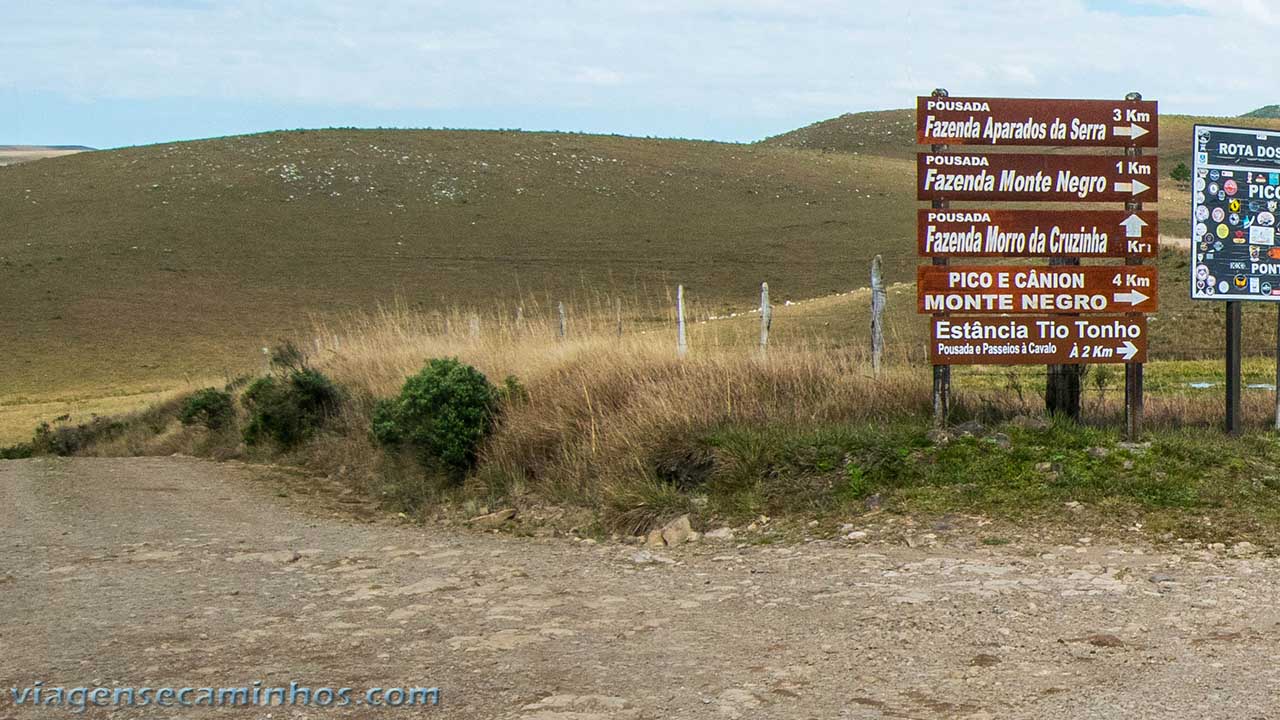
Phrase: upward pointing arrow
[1133,226]
[1133,297]
[1133,187]
[1133,132]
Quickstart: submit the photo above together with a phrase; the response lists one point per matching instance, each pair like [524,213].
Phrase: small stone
[938,437]
[1104,640]
[812,523]
[1029,422]
[1243,548]
[1001,441]
[723,533]
[677,531]
[1044,467]
[1098,452]
[984,660]
[857,535]
[655,539]
[969,429]
[644,557]
[493,519]
[1160,578]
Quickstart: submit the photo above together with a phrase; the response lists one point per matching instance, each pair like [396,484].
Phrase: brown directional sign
[1036,233]
[1091,289]
[1019,121]
[1054,178]
[1038,340]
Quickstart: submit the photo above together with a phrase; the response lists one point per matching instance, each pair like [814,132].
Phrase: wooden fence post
[682,342]
[877,313]
[561,331]
[766,317]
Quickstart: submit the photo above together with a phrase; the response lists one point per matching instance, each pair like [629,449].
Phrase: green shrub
[209,407]
[17,452]
[286,409]
[443,414]
[1181,173]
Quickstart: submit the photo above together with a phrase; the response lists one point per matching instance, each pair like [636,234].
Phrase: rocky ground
[152,572]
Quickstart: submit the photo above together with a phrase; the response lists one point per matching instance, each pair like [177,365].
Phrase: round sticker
[1199,197]
[1213,188]
[1254,206]
[1200,184]
[1214,174]
[1233,219]
[1241,281]
[1223,286]
[1230,187]
[1266,219]
[1223,231]
[1202,213]
[1221,196]
[1219,214]
[1266,288]
[1201,229]
[1202,271]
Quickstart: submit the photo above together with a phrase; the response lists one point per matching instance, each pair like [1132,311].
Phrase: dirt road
[178,572]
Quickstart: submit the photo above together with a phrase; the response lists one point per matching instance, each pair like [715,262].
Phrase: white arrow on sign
[1135,187]
[1133,297]
[1133,132]
[1133,226]
[1128,350]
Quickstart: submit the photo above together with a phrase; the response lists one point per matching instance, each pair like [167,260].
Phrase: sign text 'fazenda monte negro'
[1054,178]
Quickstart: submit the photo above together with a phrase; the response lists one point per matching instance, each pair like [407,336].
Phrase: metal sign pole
[1233,366]
[1133,404]
[941,373]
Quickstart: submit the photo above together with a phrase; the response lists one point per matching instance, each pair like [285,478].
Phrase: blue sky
[108,73]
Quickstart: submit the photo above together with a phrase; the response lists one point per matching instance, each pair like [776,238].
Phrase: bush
[1181,173]
[17,452]
[443,414]
[209,407]
[286,409]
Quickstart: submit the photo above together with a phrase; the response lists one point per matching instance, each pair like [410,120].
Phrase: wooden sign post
[1065,296]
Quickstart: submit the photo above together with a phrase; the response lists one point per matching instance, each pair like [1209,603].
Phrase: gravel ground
[179,572]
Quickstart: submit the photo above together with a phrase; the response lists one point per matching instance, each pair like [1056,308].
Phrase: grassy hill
[150,263]
[127,272]
[1266,111]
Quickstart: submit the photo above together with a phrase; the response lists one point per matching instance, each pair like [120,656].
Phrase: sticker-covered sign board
[1235,192]
[1051,340]
[1022,121]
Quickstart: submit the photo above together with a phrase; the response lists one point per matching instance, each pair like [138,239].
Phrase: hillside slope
[156,262]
